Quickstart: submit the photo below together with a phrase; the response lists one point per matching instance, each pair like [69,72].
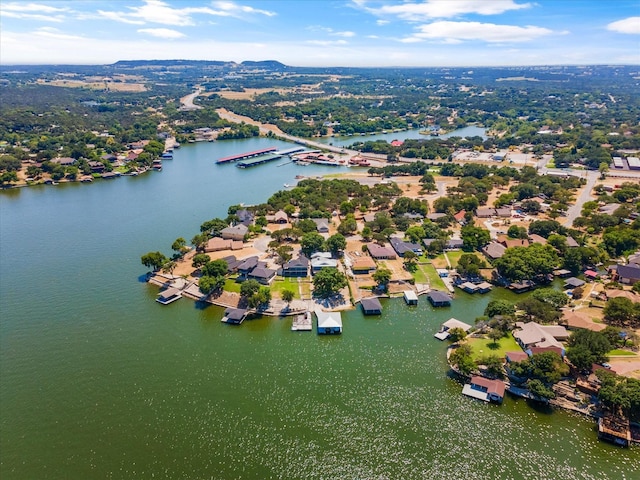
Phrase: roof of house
[329,319]
[485,212]
[322,262]
[631,271]
[248,263]
[454,243]
[535,238]
[609,208]
[321,223]
[513,242]
[591,273]
[371,304]
[494,250]
[436,216]
[516,356]
[300,262]
[580,320]
[460,215]
[503,211]
[574,282]
[280,215]
[376,251]
[494,387]
[571,242]
[534,334]
[262,272]
[611,293]
[363,263]
[239,229]
[217,243]
[455,323]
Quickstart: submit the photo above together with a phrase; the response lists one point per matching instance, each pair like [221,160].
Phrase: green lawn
[419,276]
[432,275]
[439,261]
[285,283]
[482,347]
[454,257]
[619,352]
[230,285]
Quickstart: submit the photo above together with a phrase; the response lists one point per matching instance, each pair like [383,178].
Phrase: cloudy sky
[323,32]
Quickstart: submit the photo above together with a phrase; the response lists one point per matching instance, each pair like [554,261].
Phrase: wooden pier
[302,323]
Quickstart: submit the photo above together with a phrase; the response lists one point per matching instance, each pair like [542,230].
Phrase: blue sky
[323,32]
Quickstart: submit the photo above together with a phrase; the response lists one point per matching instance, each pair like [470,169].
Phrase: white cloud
[455,32]
[159,12]
[382,22]
[31,7]
[443,8]
[346,34]
[327,43]
[628,25]
[33,16]
[161,32]
[54,33]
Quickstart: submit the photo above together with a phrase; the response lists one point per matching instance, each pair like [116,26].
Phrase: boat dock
[290,151]
[302,323]
[242,156]
[257,161]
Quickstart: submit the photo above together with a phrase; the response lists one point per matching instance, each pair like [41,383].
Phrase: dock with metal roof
[242,156]
[257,161]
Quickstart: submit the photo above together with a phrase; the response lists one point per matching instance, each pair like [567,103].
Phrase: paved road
[187,101]
[585,196]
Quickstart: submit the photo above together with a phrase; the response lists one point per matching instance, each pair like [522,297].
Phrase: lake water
[414,133]
[99,381]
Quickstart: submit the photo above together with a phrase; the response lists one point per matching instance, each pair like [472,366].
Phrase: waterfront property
[439,299]
[484,389]
[532,335]
[302,323]
[363,265]
[573,282]
[329,323]
[169,295]
[410,297]
[296,267]
[371,306]
[234,316]
[237,232]
[443,334]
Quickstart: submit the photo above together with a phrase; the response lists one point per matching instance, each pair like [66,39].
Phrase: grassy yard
[482,347]
[285,283]
[419,276]
[432,275]
[618,352]
[439,261]
[230,285]
[454,257]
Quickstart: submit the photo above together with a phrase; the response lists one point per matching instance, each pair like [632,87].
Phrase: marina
[259,160]
[242,156]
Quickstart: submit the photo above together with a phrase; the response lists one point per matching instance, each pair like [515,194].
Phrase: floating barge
[242,156]
[257,161]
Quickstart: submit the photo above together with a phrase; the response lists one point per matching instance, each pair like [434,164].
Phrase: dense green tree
[470,264]
[622,312]
[215,268]
[539,389]
[462,359]
[382,276]
[336,244]
[524,263]
[287,295]
[180,246]
[208,284]
[474,238]
[310,243]
[551,296]
[154,260]
[328,282]
[516,231]
[499,307]
[199,259]
[249,288]
[587,347]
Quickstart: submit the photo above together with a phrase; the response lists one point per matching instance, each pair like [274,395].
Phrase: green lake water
[99,381]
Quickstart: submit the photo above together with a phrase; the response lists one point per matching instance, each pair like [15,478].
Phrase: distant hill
[272,65]
[266,65]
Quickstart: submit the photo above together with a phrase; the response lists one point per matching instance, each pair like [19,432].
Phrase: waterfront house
[530,335]
[245,216]
[329,323]
[237,232]
[371,306]
[485,389]
[363,265]
[575,320]
[381,253]
[297,267]
[521,287]
[232,263]
[262,275]
[439,299]
[562,273]
[234,316]
[217,244]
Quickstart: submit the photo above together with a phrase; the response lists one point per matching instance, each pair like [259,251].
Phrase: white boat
[286,185]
